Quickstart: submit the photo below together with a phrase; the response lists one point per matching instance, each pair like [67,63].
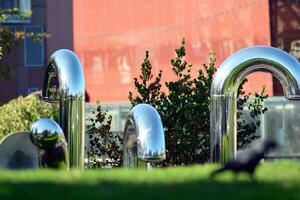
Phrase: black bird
[248,161]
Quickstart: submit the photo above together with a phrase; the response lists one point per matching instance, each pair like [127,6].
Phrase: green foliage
[20,113]
[16,13]
[7,39]
[149,91]
[246,130]
[10,40]
[185,112]
[184,107]
[104,146]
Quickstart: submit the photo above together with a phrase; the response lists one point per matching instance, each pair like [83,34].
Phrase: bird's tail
[214,173]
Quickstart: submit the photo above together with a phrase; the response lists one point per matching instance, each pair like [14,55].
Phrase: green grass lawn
[280,180]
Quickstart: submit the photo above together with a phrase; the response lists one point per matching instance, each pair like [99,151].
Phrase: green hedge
[20,113]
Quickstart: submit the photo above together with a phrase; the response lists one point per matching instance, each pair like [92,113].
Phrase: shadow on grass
[202,189]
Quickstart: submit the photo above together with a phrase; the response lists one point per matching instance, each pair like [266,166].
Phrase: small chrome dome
[45,133]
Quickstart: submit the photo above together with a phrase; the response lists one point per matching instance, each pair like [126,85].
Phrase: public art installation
[64,83]
[18,152]
[46,143]
[50,141]
[284,67]
[144,139]
[43,147]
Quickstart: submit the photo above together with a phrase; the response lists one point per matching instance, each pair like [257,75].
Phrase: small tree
[149,92]
[184,107]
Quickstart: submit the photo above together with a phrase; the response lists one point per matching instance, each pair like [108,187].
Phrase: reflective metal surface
[224,92]
[64,83]
[47,135]
[18,152]
[144,140]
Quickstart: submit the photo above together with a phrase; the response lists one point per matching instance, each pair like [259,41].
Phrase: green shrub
[185,107]
[105,147]
[20,113]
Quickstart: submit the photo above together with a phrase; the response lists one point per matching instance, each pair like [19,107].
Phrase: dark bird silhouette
[248,161]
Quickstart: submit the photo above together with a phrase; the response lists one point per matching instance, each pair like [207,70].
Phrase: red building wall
[111,36]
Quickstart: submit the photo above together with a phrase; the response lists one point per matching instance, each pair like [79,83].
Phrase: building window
[24,7]
[34,51]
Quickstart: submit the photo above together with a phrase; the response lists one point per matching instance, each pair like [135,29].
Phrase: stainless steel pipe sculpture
[18,152]
[64,83]
[224,88]
[50,141]
[144,140]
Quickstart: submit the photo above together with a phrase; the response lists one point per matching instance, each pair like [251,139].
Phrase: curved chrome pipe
[64,83]
[225,86]
[50,141]
[144,138]
[18,152]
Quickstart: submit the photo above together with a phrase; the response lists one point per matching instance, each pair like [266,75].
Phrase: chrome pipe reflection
[144,140]
[18,152]
[64,83]
[50,141]
[225,85]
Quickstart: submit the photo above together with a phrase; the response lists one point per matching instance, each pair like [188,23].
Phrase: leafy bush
[104,146]
[20,113]
[185,107]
